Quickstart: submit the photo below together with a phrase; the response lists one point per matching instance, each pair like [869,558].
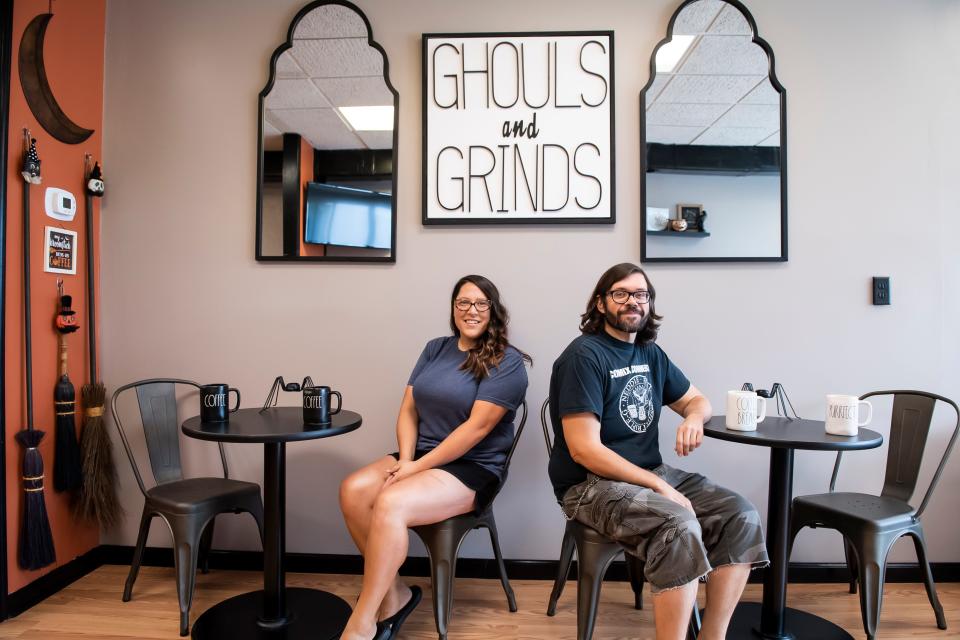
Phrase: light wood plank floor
[91,608]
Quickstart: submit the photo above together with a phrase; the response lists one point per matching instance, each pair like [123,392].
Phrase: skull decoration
[95,186]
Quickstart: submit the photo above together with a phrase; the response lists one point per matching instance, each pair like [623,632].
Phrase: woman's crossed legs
[378,519]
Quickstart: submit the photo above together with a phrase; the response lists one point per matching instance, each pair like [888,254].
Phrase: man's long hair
[491,346]
[592,321]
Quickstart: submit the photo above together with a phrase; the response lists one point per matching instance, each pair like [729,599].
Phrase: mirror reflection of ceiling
[329,66]
[718,93]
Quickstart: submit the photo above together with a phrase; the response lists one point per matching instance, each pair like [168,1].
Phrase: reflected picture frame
[691,213]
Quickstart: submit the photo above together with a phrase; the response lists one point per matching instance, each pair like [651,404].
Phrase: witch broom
[67,475]
[98,495]
[35,549]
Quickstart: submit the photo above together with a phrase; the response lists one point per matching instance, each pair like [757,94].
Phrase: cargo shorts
[677,546]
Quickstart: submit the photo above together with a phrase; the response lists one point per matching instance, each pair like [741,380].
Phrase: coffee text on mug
[215,400]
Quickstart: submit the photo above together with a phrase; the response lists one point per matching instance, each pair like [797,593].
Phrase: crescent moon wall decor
[36,89]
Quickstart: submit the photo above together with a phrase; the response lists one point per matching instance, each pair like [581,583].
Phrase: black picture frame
[644,160]
[426,220]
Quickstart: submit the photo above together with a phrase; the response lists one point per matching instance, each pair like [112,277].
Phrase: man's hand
[672,494]
[403,469]
[689,435]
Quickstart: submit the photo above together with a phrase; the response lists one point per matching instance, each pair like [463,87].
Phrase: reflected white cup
[742,410]
[843,414]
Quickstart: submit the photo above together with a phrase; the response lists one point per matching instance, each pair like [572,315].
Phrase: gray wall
[872,103]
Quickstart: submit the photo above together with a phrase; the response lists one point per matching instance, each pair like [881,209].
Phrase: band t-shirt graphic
[625,386]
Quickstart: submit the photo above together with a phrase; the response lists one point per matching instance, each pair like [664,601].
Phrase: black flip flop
[397,619]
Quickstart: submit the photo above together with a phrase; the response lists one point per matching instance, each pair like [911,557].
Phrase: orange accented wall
[73,54]
[307,155]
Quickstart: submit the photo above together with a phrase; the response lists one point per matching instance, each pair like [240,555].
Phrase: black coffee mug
[316,404]
[214,406]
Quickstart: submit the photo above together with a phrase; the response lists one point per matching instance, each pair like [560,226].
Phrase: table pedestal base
[312,615]
[745,625]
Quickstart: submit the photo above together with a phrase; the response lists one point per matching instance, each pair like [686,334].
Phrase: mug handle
[339,401]
[869,417]
[763,409]
[237,391]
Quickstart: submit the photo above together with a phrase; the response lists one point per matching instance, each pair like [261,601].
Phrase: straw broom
[35,548]
[98,495]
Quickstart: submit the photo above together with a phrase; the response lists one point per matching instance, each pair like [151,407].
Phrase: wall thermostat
[60,204]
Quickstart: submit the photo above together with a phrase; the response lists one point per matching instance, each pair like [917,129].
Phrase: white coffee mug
[843,414]
[742,410]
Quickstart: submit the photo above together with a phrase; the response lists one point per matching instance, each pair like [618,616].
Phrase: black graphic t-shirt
[625,386]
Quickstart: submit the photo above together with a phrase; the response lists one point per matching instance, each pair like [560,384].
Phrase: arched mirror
[713,141]
[327,179]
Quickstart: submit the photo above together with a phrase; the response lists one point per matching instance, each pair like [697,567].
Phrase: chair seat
[202,494]
[588,534]
[858,509]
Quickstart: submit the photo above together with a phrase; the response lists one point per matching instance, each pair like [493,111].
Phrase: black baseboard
[50,583]
[61,577]
[799,572]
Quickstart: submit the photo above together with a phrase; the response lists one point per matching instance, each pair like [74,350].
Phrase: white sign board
[518,128]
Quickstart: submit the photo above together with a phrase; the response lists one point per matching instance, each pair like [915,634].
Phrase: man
[606,393]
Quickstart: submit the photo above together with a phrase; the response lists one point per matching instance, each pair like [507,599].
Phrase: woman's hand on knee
[403,469]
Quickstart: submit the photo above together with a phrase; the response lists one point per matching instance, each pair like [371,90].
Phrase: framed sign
[518,128]
[60,251]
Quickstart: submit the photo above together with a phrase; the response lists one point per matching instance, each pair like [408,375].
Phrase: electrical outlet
[881,290]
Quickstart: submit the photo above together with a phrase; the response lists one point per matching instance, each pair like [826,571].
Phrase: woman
[454,430]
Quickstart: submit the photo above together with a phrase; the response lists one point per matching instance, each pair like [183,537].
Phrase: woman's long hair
[592,321]
[490,347]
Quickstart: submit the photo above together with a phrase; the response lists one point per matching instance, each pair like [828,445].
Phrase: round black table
[783,436]
[275,612]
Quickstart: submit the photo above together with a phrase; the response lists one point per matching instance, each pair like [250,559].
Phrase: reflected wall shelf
[680,234]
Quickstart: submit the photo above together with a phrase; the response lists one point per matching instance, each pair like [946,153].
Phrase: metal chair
[188,506]
[443,540]
[871,524]
[595,553]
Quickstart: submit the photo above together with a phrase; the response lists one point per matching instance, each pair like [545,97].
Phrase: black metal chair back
[545,423]
[157,401]
[522,413]
[910,422]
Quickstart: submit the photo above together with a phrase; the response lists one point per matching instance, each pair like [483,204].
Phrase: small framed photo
[60,251]
[692,213]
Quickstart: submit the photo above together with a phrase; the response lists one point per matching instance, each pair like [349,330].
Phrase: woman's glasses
[464,305]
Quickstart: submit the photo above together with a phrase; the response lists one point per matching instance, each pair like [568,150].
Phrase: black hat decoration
[95,186]
[31,164]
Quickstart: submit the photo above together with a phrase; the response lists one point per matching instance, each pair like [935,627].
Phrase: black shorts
[484,482]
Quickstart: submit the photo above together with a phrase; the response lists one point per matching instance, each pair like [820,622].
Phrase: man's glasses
[620,296]
[464,305]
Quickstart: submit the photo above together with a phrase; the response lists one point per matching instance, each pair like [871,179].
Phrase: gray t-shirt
[444,395]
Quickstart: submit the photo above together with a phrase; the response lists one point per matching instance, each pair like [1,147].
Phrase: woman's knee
[359,489]
[389,505]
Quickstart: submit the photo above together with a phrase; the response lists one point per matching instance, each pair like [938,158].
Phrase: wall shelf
[679,234]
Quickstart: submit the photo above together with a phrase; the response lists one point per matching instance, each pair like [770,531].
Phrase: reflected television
[347,217]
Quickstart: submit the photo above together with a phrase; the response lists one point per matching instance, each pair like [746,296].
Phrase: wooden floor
[91,608]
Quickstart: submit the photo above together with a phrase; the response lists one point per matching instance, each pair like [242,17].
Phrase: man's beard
[617,321]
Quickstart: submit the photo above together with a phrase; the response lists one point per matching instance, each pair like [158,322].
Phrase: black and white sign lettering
[518,128]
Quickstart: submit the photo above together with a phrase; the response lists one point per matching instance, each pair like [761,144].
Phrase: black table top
[277,424]
[782,433]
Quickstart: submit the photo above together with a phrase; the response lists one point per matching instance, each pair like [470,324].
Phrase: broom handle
[26,302]
[91,289]
[62,340]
